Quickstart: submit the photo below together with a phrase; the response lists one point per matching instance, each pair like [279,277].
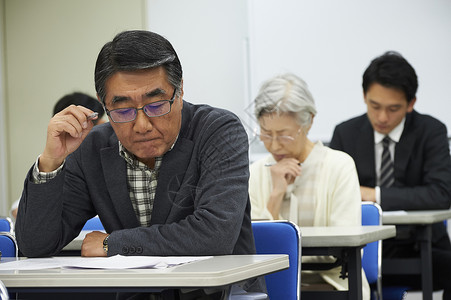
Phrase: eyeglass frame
[171,101]
[278,137]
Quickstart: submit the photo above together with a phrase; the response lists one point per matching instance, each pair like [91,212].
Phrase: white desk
[214,272]
[344,236]
[345,243]
[423,221]
[419,217]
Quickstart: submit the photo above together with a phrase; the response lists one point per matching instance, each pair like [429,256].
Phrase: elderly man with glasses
[165,176]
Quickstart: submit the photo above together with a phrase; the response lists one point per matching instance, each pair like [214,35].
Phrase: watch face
[105,244]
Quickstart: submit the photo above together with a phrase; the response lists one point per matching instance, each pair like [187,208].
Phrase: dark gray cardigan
[201,203]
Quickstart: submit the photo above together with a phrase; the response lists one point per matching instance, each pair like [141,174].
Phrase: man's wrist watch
[105,244]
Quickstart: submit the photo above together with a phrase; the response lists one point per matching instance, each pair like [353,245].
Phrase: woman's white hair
[288,94]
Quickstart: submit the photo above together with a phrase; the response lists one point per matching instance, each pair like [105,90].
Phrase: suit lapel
[115,173]
[172,173]
[404,147]
[365,154]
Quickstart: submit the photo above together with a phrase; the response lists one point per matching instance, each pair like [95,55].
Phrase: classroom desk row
[215,272]
[220,271]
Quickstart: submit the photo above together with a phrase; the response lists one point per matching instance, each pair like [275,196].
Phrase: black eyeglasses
[154,109]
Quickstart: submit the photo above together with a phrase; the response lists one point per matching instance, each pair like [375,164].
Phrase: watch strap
[105,244]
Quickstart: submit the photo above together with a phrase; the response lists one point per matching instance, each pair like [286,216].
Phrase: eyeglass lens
[154,109]
[157,108]
[281,139]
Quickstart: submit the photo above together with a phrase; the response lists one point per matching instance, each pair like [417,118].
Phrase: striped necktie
[387,169]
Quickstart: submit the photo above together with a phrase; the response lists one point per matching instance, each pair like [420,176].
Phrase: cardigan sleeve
[259,190]
[344,192]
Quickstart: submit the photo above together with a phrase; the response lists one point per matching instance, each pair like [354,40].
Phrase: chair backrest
[372,252]
[8,245]
[6,225]
[93,224]
[280,237]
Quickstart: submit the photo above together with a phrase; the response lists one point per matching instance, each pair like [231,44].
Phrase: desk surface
[216,271]
[315,236]
[416,217]
[344,236]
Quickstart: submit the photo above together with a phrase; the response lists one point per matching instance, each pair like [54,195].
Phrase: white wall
[50,49]
[210,38]
[330,43]
[3,168]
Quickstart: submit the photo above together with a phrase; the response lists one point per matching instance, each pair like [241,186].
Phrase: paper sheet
[113,262]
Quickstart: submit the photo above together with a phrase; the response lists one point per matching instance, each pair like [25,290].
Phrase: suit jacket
[422,163]
[201,205]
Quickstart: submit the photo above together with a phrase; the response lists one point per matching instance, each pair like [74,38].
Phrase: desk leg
[355,273]
[425,237]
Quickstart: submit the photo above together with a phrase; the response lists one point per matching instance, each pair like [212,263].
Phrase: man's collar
[129,157]
[395,134]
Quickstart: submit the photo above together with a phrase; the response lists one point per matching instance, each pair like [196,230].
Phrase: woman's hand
[283,173]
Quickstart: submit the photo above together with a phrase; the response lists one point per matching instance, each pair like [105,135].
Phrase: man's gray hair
[289,94]
[136,50]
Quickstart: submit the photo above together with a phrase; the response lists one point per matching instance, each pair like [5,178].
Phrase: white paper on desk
[30,264]
[394,213]
[131,262]
[113,262]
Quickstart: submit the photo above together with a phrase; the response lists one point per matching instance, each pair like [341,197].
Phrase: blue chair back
[8,245]
[371,215]
[6,225]
[372,256]
[93,224]
[274,237]
[372,252]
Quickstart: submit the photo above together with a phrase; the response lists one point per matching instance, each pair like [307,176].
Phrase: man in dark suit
[165,176]
[419,176]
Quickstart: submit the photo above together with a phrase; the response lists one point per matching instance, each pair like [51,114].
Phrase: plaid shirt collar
[135,163]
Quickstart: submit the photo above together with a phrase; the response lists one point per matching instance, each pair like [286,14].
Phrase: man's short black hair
[391,70]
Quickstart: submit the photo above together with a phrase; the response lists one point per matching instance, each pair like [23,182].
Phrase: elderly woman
[301,181]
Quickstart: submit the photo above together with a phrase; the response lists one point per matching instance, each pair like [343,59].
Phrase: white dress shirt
[395,136]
